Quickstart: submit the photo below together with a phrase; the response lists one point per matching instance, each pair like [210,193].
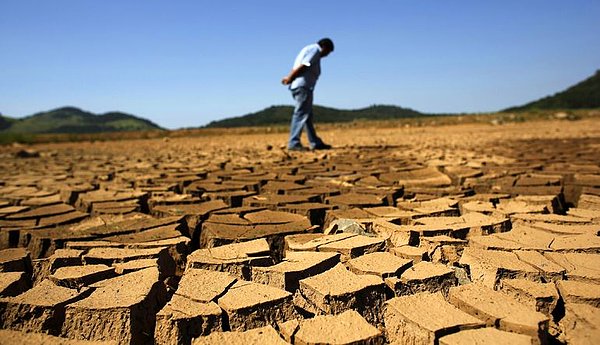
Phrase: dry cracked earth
[465,234]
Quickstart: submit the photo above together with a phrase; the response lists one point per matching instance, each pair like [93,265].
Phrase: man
[302,80]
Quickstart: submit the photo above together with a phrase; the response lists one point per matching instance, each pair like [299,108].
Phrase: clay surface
[345,328]
[230,239]
[424,317]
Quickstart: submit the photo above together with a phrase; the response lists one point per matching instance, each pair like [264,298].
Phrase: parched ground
[458,234]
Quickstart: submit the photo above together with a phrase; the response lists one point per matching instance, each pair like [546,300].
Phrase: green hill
[74,120]
[5,122]
[281,115]
[583,95]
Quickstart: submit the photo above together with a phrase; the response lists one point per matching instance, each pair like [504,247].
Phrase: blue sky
[186,63]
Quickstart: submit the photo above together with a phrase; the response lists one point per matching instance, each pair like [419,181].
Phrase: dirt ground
[461,234]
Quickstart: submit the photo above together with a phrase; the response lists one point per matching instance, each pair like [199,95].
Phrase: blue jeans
[303,118]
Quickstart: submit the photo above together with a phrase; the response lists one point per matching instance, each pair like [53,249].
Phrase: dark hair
[326,43]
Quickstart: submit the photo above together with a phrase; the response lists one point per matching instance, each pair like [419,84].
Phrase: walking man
[302,80]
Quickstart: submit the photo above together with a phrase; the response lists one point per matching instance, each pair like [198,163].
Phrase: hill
[281,115]
[74,120]
[5,122]
[583,95]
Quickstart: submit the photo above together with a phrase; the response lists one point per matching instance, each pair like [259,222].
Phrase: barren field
[462,234]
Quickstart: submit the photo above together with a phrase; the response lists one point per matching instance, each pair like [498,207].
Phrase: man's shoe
[297,148]
[322,147]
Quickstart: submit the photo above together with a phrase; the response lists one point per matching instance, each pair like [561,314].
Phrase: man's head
[326,45]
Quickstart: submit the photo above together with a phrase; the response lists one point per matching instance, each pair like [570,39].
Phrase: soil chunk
[337,290]
[486,335]
[345,328]
[8,337]
[15,260]
[262,335]
[538,296]
[580,324]
[579,292]
[414,254]
[204,286]
[490,266]
[236,258]
[347,244]
[423,318]
[550,270]
[578,266]
[13,283]
[444,249]
[217,234]
[76,277]
[293,268]
[498,309]
[351,200]
[421,277]
[193,312]
[250,305]
[40,309]
[183,319]
[122,308]
[382,264]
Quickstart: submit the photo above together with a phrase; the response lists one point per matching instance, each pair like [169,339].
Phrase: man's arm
[293,75]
